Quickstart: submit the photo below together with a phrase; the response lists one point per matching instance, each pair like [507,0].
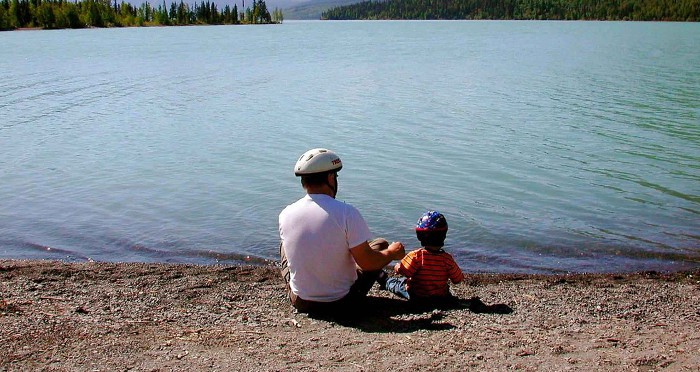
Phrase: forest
[609,10]
[58,14]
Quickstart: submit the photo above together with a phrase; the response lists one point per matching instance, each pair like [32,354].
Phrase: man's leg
[284,270]
[366,279]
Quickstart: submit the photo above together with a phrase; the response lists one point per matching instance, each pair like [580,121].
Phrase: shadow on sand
[398,315]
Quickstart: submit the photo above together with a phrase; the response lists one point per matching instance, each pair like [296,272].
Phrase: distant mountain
[292,9]
[311,9]
[272,4]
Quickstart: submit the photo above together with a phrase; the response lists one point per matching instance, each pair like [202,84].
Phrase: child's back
[427,272]
[428,269]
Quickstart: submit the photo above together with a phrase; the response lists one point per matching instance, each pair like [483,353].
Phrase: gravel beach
[57,316]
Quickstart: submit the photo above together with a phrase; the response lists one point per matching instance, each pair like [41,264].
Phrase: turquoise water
[549,146]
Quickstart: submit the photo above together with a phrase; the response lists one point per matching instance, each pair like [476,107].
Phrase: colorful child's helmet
[431,229]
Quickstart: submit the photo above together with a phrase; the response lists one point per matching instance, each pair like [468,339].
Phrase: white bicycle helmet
[317,161]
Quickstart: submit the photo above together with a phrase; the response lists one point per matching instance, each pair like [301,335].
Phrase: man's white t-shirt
[317,232]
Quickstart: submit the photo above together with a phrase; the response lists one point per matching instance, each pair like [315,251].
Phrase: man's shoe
[381,279]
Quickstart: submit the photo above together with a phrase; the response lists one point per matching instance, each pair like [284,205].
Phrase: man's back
[317,232]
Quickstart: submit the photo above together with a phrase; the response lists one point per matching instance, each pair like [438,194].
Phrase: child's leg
[397,286]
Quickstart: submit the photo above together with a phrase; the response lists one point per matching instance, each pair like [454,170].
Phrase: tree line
[57,14]
[634,10]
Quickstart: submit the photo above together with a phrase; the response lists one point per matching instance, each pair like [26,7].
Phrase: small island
[608,10]
[60,14]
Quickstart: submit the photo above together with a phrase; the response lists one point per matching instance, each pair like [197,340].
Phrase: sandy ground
[58,316]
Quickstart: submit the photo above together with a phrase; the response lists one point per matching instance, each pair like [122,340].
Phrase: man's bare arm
[369,260]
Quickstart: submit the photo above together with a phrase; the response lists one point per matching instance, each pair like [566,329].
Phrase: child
[427,269]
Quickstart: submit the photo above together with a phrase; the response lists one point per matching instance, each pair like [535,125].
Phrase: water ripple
[572,153]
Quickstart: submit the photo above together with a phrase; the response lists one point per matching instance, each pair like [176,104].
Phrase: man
[327,259]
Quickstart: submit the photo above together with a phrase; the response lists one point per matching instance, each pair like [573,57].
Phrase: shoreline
[158,316]
[656,262]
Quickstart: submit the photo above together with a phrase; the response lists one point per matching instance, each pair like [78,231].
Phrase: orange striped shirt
[428,272]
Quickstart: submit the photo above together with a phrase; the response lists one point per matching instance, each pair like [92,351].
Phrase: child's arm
[456,274]
[408,266]
[458,277]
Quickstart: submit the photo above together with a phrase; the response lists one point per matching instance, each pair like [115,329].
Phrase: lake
[549,146]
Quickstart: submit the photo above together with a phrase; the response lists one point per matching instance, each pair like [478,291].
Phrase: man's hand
[370,260]
[396,250]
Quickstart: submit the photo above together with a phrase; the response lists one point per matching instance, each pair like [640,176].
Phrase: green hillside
[635,10]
